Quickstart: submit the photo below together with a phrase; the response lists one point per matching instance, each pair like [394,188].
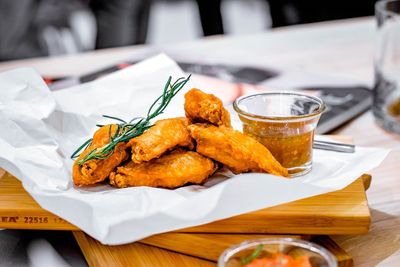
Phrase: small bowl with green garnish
[277,252]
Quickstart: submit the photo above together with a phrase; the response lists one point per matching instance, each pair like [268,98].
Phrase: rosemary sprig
[135,127]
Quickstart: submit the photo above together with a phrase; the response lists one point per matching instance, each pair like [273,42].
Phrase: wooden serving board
[341,212]
[181,249]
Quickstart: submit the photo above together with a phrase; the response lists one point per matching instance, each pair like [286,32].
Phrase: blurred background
[35,28]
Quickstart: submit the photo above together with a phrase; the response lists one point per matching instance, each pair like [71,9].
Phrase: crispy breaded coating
[165,135]
[239,152]
[169,171]
[202,107]
[97,170]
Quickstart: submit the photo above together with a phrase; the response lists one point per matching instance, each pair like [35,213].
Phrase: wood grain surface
[18,210]
[343,258]
[134,254]
[341,212]
[344,211]
[205,246]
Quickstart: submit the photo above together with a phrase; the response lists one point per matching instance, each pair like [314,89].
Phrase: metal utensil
[333,146]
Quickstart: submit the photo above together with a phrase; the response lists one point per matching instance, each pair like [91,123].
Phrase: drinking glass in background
[386,102]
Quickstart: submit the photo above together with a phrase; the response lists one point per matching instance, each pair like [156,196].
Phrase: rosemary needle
[135,127]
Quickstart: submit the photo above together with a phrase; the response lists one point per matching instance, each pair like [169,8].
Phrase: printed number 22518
[36,220]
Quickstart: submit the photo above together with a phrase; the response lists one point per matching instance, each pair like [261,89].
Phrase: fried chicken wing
[169,171]
[239,152]
[202,107]
[165,135]
[97,170]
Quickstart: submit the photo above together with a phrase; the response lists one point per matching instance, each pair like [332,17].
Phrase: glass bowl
[285,123]
[317,255]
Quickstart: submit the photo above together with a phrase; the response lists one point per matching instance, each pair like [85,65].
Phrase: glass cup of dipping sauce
[285,123]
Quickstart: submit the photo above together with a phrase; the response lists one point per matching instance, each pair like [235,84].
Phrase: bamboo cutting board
[167,250]
[180,249]
[341,212]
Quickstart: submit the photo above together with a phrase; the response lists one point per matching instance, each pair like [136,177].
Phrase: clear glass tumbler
[386,95]
[285,123]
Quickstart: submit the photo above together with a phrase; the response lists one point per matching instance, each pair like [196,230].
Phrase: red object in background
[123,65]
[50,80]
[47,80]
[226,91]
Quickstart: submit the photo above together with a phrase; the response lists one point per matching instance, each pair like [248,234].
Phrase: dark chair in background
[121,22]
[125,22]
[210,16]
[33,28]
[291,12]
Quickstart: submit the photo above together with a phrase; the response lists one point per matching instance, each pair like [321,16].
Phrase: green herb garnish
[252,256]
[135,127]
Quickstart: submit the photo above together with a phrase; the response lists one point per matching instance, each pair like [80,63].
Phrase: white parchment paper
[40,129]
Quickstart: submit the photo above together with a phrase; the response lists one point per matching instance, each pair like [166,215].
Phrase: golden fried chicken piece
[202,107]
[170,171]
[165,135]
[97,170]
[239,152]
